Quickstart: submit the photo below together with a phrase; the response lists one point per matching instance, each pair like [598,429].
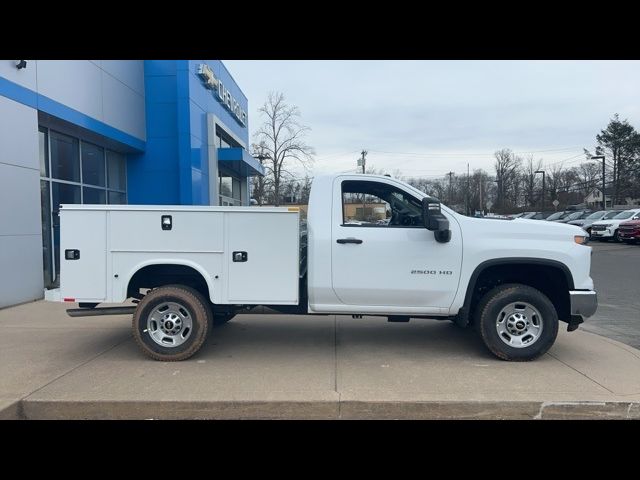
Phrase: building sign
[222,94]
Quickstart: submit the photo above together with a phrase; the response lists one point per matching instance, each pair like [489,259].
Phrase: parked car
[575,216]
[543,215]
[586,222]
[557,215]
[629,232]
[608,229]
[535,215]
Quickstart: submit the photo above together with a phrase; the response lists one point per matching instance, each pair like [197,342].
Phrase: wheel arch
[174,268]
[508,266]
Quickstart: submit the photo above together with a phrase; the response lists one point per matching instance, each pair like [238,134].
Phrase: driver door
[381,253]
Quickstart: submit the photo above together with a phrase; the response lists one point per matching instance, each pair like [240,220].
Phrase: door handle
[349,240]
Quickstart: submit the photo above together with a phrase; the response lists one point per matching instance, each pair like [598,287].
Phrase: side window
[375,204]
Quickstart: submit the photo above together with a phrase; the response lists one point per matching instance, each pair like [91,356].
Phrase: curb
[319,410]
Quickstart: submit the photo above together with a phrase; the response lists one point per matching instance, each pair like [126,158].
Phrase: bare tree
[282,135]
[554,180]
[507,167]
[529,183]
[589,174]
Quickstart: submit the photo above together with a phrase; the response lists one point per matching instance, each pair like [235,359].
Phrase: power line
[490,154]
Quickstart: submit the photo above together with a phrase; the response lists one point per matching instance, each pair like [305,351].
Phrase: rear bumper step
[95,312]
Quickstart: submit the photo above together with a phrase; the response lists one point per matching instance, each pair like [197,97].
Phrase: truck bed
[116,241]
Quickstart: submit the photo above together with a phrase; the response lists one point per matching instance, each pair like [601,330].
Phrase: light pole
[604,198]
[543,175]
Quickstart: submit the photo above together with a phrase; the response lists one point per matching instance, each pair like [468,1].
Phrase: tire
[516,337]
[173,314]
[219,320]
[616,238]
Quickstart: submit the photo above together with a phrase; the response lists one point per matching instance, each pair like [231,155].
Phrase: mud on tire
[171,323]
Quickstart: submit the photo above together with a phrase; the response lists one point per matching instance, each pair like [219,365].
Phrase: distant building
[594,198]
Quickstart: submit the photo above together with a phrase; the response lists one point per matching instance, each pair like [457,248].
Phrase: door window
[376,204]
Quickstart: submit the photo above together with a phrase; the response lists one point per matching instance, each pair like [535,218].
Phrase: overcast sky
[428,117]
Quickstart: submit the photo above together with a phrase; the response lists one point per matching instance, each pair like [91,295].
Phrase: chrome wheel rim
[519,324]
[169,324]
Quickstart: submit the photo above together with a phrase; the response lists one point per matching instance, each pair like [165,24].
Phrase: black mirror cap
[442,236]
[432,216]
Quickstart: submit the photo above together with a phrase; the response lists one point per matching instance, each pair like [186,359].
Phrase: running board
[95,312]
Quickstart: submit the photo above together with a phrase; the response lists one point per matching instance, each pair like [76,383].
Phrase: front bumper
[583,302]
[629,235]
[601,233]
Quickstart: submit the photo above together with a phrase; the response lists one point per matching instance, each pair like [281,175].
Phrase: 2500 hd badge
[432,272]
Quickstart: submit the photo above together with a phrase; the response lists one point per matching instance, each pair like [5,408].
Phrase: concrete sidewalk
[326,367]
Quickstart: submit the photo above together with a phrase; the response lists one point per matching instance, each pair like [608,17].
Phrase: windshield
[596,214]
[555,216]
[611,215]
[528,215]
[574,216]
[627,214]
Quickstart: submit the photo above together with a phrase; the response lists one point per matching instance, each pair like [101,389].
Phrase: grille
[598,228]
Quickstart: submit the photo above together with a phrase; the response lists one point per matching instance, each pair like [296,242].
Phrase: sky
[425,118]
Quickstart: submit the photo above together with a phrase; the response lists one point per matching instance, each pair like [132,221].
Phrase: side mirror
[434,220]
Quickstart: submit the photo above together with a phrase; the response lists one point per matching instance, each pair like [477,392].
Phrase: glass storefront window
[73,171]
[117,198]
[236,189]
[65,157]
[44,152]
[94,195]
[116,169]
[61,193]
[47,251]
[226,186]
[93,171]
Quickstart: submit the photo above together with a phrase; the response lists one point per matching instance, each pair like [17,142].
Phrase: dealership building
[164,132]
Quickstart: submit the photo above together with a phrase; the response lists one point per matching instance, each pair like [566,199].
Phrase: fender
[164,261]
[462,318]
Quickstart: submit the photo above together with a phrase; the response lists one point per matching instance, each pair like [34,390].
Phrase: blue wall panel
[176,156]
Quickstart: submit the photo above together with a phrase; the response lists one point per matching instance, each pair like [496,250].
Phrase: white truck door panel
[396,266]
[85,232]
[270,273]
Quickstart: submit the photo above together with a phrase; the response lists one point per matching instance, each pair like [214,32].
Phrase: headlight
[580,239]
[608,225]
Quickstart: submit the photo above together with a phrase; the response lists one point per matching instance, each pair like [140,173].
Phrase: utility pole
[363,161]
[450,194]
[604,198]
[481,182]
[466,198]
[543,175]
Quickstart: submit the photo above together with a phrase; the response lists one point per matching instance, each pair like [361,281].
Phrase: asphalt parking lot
[615,269]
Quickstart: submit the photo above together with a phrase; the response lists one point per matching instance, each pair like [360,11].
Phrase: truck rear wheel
[517,322]
[171,323]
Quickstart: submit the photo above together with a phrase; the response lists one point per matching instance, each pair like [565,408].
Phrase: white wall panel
[123,108]
[21,255]
[18,134]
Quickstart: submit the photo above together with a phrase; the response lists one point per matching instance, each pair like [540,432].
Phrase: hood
[635,223]
[611,221]
[522,228]
[577,222]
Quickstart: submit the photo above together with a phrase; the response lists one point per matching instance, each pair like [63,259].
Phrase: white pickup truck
[372,245]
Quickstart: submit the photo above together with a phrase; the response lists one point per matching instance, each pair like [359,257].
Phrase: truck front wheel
[517,322]
[171,323]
